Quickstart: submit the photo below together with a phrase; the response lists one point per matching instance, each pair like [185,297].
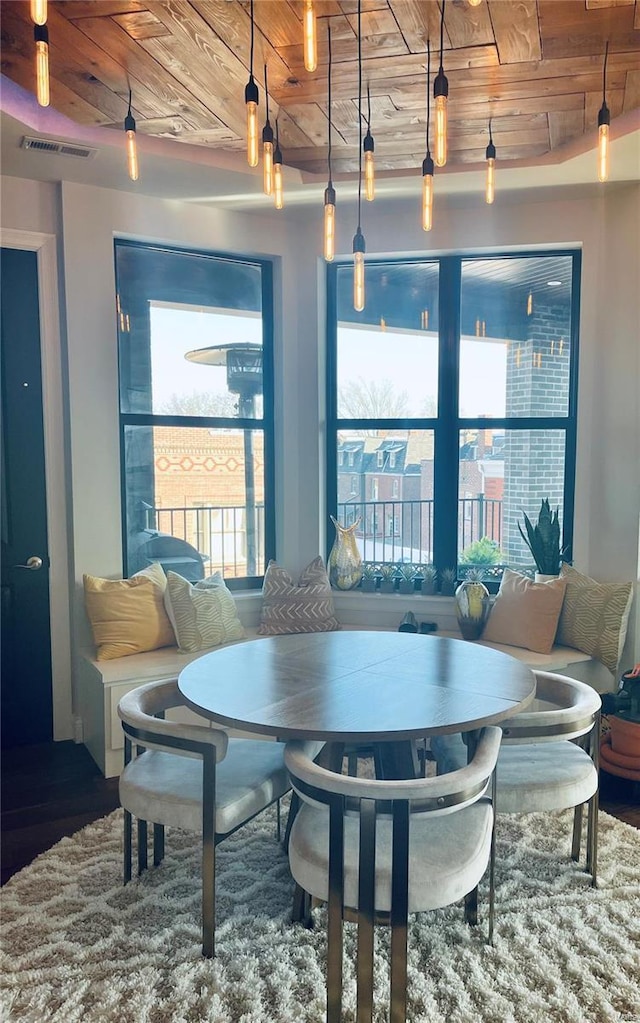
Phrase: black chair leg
[301,911]
[471,907]
[158,844]
[142,846]
[577,833]
[127,847]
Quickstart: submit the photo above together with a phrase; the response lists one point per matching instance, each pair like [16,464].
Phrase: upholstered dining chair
[384,849]
[190,776]
[548,759]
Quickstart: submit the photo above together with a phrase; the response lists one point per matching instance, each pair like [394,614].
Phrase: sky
[408,360]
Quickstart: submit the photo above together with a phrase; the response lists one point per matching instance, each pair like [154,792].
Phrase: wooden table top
[356,686]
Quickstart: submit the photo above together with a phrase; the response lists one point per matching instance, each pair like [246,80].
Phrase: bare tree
[199,403]
[370,399]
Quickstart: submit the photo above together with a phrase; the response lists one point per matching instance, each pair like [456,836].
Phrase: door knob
[32,564]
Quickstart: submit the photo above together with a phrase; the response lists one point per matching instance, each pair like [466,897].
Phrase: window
[374,489]
[380,459]
[354,484]
[195,366]
[471,388]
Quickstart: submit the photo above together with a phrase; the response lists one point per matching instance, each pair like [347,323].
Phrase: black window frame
[448,424]
[264,424]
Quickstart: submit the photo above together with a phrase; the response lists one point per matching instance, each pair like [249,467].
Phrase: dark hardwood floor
[53,790]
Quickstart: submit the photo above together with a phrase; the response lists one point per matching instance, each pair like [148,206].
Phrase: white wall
[608,458]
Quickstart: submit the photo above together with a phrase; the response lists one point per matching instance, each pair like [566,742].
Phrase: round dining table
[370,688]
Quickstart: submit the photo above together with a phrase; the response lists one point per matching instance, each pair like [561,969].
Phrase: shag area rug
[81,948]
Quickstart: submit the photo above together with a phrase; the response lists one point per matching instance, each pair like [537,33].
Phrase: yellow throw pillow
[525,613]
[127,615]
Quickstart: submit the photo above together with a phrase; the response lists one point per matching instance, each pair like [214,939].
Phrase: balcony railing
[218,533]
[403,530]
[391,531]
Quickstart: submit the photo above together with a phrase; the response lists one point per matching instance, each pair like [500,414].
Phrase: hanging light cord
[251,48]
[490,137]
[441,34]
[129,110]
[329,103]
[604,73]
[266,93]
[428,78]
[368,108]
[359,113]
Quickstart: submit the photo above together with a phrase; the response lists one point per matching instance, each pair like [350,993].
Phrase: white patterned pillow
[288,607]
[594,616]
[203,615]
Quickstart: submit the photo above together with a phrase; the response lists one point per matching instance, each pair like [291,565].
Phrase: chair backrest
[564,708]
[138,712]
[440,795]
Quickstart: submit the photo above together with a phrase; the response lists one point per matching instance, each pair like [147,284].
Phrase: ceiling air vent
[57,148]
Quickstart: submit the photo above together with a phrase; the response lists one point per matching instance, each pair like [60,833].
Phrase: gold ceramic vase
[345,561]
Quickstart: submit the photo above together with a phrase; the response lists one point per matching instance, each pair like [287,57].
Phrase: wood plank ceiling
[534,66]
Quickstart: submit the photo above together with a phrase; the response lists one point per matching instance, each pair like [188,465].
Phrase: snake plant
[543,539]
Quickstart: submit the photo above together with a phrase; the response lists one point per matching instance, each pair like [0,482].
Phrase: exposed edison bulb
[277,185]
[310,37]
[252,133]
[358,281]
[132,154]
[441,131]
[329,223]
[490,191]
[474,3]
[39,11]
[603,152]
[369,176]
[267,167]
[369,167]
[427,202]
[42,64]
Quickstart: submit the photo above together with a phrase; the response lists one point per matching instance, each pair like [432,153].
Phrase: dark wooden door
[27,706]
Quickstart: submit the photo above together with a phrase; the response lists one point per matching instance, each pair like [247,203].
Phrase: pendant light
[267,145]
[440,93]
[277,173]
[368,146]
[132,151]
[474,3]
[359,247]
[310,37]
[490,154]
[251,99]
[427,164]
[41,37]
[39,12]
[604,120]
[329,192]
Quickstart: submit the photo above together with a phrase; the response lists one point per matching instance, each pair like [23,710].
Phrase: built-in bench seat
[101,684]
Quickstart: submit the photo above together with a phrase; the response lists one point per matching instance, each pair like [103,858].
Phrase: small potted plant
[407,582]
[369,577]
[429,579]
[448,582]
[543,540]
[388,578]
